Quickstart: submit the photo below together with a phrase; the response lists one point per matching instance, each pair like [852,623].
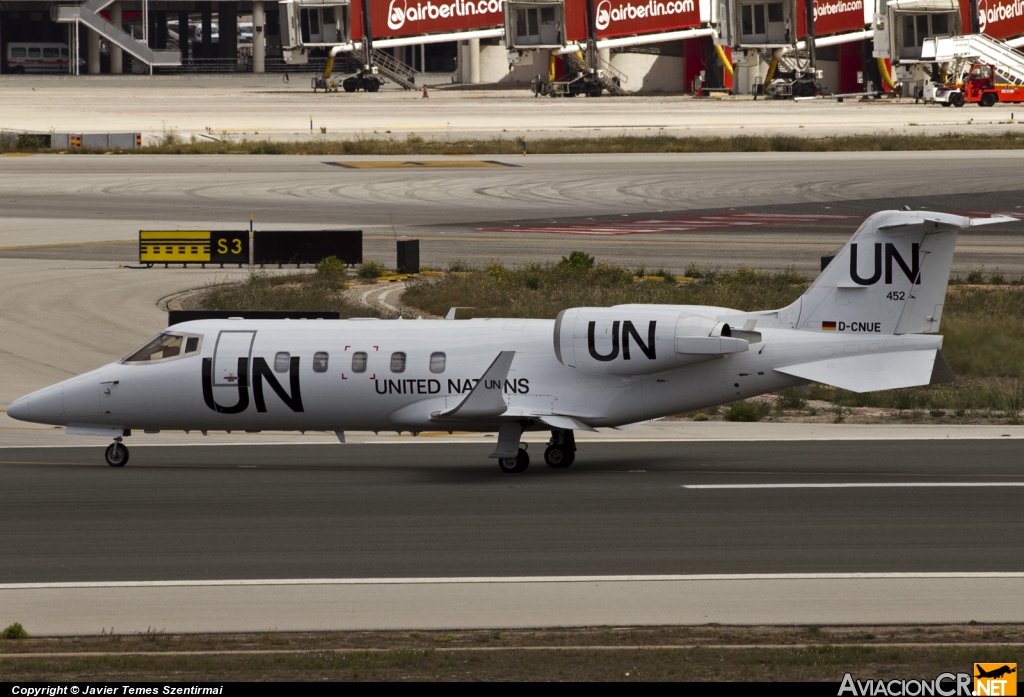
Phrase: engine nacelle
[638,340]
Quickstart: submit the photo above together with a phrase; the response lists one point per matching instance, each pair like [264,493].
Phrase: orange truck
[980,88]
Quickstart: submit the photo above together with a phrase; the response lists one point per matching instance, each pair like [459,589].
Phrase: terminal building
[771,47]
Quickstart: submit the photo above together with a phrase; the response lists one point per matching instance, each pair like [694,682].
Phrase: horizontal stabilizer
[867,373]
[710,345]
[486,399]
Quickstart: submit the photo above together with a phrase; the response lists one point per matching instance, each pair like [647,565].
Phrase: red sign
[831,17]
[1000,19]
[392,18]
[627,17]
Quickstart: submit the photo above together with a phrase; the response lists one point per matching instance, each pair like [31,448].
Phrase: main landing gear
[560,453]
[117,454]
[561,450]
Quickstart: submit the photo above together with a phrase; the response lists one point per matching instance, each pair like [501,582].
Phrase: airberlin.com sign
[832,17]
[405,17]
[618,17]
[1001,19]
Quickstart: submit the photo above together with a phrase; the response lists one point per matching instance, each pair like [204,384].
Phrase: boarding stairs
[87,14]
[962,50]
[609,78]
[393,69]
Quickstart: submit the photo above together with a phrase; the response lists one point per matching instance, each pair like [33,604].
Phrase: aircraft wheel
[956,99]
[989,99]
[512,465]
[559,456]
[116,455]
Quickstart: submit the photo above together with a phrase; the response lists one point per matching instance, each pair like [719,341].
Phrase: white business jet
[865,324]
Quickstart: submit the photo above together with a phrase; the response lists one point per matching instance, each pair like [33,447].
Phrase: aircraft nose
[19,409]
[45,406]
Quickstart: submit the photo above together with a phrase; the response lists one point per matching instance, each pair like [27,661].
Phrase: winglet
[486,399]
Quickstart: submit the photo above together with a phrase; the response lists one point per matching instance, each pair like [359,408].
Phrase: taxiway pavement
[265,106]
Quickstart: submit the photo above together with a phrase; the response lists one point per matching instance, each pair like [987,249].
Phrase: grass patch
[541,291]
[321,291]
[171,144]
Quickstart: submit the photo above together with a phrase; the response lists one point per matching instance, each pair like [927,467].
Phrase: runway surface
[245,538]
[423,510]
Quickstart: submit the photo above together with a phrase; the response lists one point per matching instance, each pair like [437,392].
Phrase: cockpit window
[166,346]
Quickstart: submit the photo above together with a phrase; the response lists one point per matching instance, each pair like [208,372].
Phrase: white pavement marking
[17,434]
[528,602]
[853,485]
[433,580]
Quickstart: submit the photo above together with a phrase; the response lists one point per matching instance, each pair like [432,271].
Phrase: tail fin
[891,276]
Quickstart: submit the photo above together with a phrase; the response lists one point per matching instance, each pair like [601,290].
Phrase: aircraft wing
[486,399]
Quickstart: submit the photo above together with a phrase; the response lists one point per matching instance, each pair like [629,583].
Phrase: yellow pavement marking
[412,164]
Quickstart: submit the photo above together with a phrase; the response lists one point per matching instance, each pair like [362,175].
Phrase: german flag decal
[828,326]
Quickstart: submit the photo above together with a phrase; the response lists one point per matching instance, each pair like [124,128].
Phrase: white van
[36,57]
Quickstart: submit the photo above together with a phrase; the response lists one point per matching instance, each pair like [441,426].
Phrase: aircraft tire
[513,465]
[116,455]
[559,457]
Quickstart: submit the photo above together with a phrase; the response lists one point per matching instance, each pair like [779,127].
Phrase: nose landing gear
[512,465]
[117,454]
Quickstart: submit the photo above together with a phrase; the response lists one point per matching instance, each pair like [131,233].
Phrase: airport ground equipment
[88,14]
[579,77]
[979,70]
[868,322]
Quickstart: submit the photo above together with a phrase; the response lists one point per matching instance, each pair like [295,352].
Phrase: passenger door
[231,358]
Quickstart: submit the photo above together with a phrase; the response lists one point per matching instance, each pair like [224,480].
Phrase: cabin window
[397,362]
[437,360]
[282,359]
[17,53]
[320,362]
[359,362]
[35,52]
[165,346]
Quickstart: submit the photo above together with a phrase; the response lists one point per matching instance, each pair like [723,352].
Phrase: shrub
[371,269]
[975,277]
[15,631]
[333,270]
[791,398]
[577,261]
[701,416]
[743,411]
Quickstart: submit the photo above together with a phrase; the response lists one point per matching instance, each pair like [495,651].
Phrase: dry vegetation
[171,143]
[672,653]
